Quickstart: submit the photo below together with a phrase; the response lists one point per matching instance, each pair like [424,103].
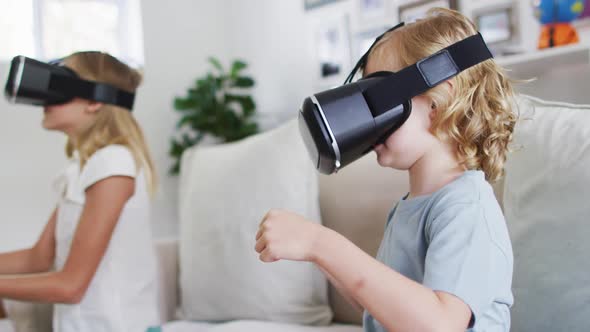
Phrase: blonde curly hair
[477,116]
[113,124]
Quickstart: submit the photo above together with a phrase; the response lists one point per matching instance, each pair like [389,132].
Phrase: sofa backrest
[546,197]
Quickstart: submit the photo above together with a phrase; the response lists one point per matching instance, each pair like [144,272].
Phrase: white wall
[271,36]
[30,158]
[179,37]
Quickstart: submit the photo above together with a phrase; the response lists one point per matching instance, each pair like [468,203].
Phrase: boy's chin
[383,160]
[386,160]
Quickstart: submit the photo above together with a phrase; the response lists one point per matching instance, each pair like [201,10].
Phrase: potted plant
[218,105]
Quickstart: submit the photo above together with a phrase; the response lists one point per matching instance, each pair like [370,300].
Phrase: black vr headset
[38,83]
[341,125]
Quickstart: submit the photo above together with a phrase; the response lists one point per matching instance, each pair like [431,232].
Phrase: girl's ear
[93,107]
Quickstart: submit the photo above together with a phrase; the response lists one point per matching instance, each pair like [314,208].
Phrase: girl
[445,262]
[94,259]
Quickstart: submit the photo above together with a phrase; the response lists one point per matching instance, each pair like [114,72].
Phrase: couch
[544,194]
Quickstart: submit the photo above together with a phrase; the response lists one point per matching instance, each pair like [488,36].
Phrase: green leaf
[248,106]
[219,82]
[188,141]
[175,168]
[176,149]
[236,67]
[186,120]
[244,82]
[246,103]
[249,129]
[182,104]
[216,63]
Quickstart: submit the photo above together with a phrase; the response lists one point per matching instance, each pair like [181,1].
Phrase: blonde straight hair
[114,124]
[477,117]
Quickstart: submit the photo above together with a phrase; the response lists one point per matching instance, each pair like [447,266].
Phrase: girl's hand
[286,235]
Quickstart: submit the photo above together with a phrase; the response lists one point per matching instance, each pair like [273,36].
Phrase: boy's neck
[435,169]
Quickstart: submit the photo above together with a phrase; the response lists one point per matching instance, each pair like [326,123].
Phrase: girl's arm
[398,303]
[37,259]
[104,202]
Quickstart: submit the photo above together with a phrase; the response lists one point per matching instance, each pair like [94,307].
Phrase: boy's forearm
[341,289]
[398,303]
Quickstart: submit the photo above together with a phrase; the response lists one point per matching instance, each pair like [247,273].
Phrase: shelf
[534,64]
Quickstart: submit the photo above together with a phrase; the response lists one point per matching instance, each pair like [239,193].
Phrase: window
[16,24]
[49,29]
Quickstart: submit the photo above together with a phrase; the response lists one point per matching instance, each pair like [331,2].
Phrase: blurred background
[290,49]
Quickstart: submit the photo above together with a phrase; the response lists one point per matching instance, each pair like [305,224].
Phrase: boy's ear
[433,111]
[449,85]
[93,107]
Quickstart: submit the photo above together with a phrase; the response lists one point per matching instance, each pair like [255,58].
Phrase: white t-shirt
[122,296]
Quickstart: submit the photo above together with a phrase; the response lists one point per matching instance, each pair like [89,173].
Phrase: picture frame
[496,24]
[332,50]
[364,39]
[313,4]
[372,9]
[411,11]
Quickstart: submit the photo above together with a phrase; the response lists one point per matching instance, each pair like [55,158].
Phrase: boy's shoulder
[469,188]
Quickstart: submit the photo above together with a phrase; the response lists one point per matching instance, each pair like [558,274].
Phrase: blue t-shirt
[454,240]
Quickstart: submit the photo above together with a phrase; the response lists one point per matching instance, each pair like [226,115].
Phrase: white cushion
[224,193]
[254,326]
[546,202]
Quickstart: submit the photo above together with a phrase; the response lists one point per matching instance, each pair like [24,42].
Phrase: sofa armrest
[29,316]
[167,255]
